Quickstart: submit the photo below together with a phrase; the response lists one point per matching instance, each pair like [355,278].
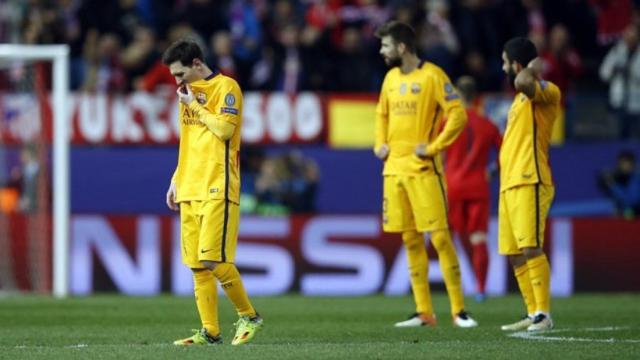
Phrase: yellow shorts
[414,203]
[522,215]
[209,231]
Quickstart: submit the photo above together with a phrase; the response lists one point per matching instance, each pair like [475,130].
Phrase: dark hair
[184,50]
[467,87]
[627,155]
[400,33]
[520,49]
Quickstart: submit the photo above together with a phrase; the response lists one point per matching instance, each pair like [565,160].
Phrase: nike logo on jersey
[527,176]
[204,251]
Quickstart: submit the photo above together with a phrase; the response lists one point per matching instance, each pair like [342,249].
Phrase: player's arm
[171,193]
[526,82]
[539,91]
[450,102]
[381,148]
[496,140]
[529,81]
[221,124]
[173,177]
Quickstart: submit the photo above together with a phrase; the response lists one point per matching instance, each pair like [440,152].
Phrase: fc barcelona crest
[415,88]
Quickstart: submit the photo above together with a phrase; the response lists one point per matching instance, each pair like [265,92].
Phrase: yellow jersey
[411,111]
[208,167]
[524,155]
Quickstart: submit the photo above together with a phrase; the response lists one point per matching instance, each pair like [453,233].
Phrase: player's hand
[382,152]
[171,198]
[421,151]
[185,95]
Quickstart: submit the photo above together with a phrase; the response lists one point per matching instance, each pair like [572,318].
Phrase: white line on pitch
[542,336]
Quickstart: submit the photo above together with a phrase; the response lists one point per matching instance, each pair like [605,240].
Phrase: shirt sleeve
[226,105]
[382,117]
[546,93]
[449,100]
[223,113]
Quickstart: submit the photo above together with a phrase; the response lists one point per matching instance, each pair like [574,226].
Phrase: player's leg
[507,245]
[458,215]
[442,242]
[531,224]
[478,215]
[427,195]
[510,238]
[398,218]
[521,272]
[205,285]
[220,223]
[450,268]
[419,275]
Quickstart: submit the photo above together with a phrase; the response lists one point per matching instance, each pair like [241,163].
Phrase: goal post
[59,56]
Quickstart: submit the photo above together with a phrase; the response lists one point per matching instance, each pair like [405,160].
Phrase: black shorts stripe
[223,255]
[537,200]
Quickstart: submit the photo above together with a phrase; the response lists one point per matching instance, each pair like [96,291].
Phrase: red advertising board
[151,118]
[606,254]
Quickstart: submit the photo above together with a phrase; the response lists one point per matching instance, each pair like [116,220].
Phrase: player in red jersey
[467,174]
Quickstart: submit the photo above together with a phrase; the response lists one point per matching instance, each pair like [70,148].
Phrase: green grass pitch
[588,326]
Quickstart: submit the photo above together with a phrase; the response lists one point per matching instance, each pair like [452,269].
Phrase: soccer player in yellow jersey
[205,189]
[414,98]
[526,187]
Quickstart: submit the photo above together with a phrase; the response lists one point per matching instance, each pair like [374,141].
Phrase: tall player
[526,187]
[205,189]
[414,98]
[467,182]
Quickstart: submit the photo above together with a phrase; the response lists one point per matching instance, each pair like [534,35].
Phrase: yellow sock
[418,271]
[450,268]
[231,283]
[524,283]
[540,275]
[206,292]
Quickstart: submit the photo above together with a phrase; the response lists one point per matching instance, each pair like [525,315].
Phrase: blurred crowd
[277,184]
[293,45]
[622,185]
[19,188]
[329,45]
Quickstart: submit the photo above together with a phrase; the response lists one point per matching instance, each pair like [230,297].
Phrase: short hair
[184,50]
[520,49]
[467,87]
[400,33]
